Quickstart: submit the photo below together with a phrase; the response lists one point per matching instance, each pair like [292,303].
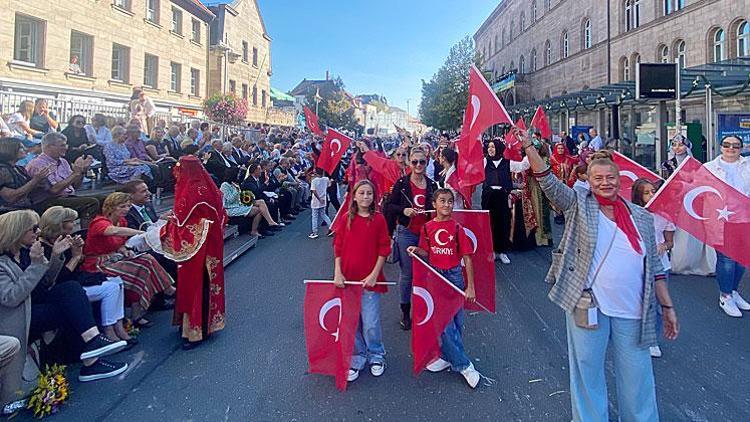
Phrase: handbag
[585,313]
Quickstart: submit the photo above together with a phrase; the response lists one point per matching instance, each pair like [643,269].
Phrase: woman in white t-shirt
[18,123]
[643,190]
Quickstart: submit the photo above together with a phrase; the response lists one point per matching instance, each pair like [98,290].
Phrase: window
[81,57]
[512,67]
[512,25]
[232,86]
[123,4]
[503,37]
[533,60]
[489,48]
[671,6]
[504,72]
[533,11]
[624,69]
[196,31]
[255,56]
[195,82]
[176,20]
[255,96]
[263,99]
[565,46]
[521,65]
[150,71]
[29,40]
[120,63]
[586,41]
[743,39]
[547,5]
[719,50]
[547,53]
[681,51]
[632,14]
[663,55]
[245,54]
[152,11]
[497,44]
[244,91]
[175,83]
[521,23]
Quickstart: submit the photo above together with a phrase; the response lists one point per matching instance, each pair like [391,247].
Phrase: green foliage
[335,108]
[444,97]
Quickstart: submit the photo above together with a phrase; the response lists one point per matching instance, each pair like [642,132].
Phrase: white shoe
[439,365]
[313,236]
[729,307]
[377,369]
[740,302]
[655,351]
[352,375]
[504,259]
[472,376]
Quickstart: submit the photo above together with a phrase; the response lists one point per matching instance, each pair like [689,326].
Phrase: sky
[383,47]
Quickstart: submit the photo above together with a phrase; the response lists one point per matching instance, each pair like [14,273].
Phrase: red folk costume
[195,239]
[562,164]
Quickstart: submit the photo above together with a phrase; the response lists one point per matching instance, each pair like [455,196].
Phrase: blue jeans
[368,342]
[634,375]
[404,239]
[451,342]
[728,273]
[319,214]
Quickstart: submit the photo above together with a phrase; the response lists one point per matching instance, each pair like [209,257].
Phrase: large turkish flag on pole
[630,171]
[484,109]
[331,318]
[333,149]
[312,122]
[703,205]
[476,224]
[541,122]
[435,301]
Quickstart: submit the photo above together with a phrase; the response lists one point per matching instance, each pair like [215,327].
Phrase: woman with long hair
[19,122]
[78,140]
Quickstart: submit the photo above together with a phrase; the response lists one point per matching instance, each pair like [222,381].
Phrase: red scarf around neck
[623,220]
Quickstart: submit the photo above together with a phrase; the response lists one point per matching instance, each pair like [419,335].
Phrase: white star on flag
[724,213]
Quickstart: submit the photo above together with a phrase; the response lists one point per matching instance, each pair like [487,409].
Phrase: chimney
[327,75]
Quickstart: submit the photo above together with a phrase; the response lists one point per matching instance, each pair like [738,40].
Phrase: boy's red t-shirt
[419,203]
[360,245]
[446,242]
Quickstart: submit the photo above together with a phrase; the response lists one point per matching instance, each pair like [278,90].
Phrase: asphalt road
[255,370]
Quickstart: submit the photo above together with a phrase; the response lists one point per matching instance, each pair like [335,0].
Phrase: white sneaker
[313,236]
[740,302]
[472,376]
[655,351]
[729,307]
[439,365]
[504,259]
[377,369]
[352,375]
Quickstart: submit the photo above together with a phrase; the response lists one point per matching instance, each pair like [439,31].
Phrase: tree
[444,97]
[336,108]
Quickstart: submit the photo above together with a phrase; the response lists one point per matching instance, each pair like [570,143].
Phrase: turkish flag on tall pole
[484,109]
[630,171]
[312,122]
[331,318]
[333,149]
[513,144]
[703,205]
[435,301]
[476,224]
[541,122]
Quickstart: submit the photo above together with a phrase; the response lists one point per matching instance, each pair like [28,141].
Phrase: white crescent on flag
[692,195]
[473,238]
[476,106]
[427,297]
[629,174]
[335,141]
[335,302]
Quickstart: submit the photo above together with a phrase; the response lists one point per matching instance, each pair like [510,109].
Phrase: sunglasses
[418,162]
[400,155]
[731,145]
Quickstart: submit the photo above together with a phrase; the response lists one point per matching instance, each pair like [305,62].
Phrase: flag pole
[350,283]
[415,256]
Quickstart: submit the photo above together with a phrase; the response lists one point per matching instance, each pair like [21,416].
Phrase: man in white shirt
[596,142]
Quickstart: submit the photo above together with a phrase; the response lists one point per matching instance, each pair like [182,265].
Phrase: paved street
[256,368]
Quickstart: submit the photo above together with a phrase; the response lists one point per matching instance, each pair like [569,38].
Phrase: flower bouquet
[51,392]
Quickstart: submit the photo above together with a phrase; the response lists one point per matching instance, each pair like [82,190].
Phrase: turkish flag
[513,145]
[703,205]
[435,301]
[331,319]
[630,171]
[333,149]
[340,217]
[484,109]
[312,122]
[476,224]
[465,191]
[541,122]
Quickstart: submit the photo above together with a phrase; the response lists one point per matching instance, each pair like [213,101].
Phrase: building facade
[543,49]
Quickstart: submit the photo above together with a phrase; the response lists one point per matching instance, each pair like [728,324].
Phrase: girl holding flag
[444,244]
[360,248]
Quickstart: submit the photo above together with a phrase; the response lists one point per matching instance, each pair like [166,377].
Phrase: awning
[279,95]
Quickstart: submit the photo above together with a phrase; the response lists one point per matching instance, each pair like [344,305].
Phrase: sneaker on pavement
[102,346]
[471,375]
[101,369]
[655,351]
[377,369]
[312,235]
[329,234]
[729,307]
[439,365]
[740,302]
[14,407]
[352,375]
[504,259]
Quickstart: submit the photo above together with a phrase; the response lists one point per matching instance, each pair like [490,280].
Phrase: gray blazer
[572,261]
[15,314]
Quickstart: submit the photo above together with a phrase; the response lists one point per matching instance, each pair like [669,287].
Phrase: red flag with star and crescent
[312,122]
[483,110]
[331,318]
[476,225]
[435,301]
[541,123]
[630,171]
[703,205]
[513,144]
[333,149]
